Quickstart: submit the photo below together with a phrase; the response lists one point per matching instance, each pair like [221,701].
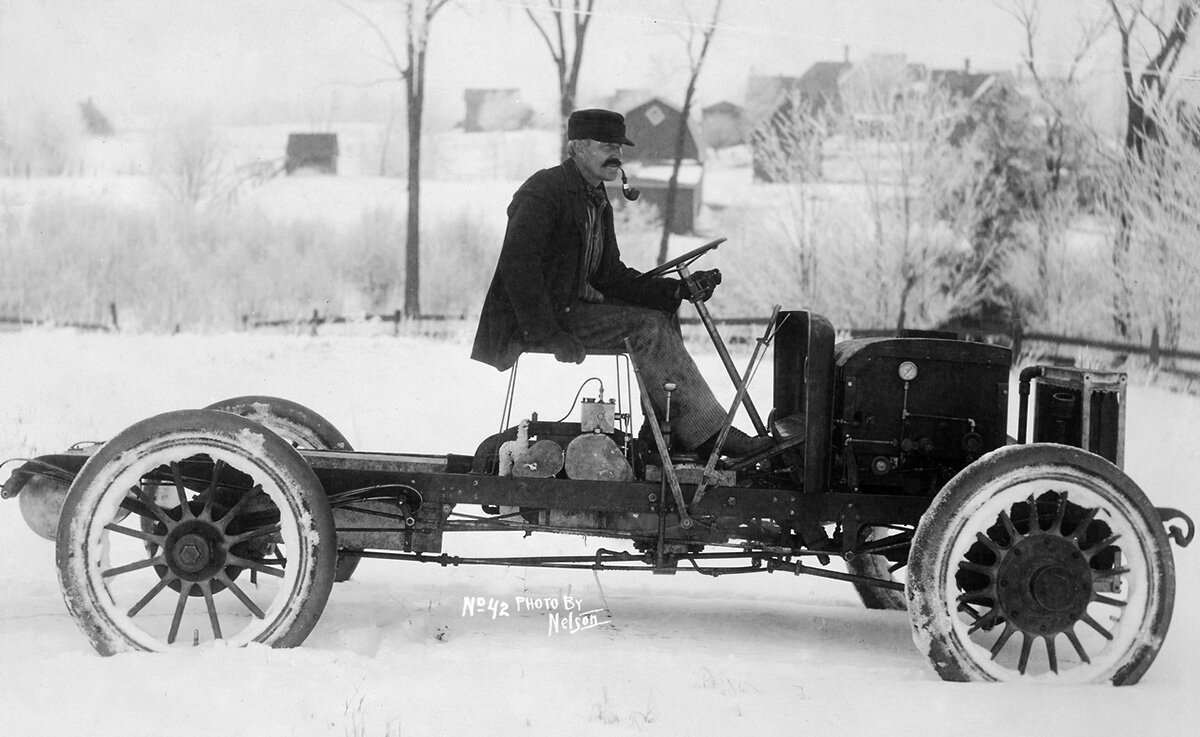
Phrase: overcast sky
[261,59]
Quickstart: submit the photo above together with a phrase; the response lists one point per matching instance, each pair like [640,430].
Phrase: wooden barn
[314,151]
[627,98]
[723,125]
[653,127]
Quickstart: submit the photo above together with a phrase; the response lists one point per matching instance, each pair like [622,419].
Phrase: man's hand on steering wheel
[699,285]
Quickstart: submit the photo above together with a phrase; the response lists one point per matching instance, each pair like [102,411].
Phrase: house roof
[652,126]
[822,79]
[724,106]
[960,82]
[818,86]
[312,144]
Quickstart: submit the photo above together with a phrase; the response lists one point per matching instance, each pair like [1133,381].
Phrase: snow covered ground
[394,653]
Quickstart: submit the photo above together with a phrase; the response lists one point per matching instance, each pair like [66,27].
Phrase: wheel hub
[195,550]
[192,553]
[1051,588]
[1044,584]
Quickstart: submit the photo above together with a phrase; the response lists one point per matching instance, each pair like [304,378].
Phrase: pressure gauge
[908,371]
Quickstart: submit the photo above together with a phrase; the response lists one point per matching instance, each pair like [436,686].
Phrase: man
[560,286]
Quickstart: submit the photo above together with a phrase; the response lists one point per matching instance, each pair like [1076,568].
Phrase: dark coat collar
[574,179]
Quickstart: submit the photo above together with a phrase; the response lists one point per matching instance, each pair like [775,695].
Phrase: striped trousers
[660,356]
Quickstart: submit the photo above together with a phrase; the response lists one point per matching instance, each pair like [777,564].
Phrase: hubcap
[1044,584]
[1035,572]
[192,553]
[195,550]
[1051,588]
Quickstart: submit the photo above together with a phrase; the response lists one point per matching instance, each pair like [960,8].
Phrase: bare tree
[1074,155]
[1158,196]
[565,39]
[697,41]
[1144,88]
[899,139]
[1159,45]
[788,150]
[409,66]
[1059,93]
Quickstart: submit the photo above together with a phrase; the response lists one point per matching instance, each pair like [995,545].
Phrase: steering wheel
[681,261]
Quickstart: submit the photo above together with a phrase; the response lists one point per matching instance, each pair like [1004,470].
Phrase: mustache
[614,161]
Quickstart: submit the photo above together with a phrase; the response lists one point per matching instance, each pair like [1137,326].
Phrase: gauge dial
[908,371]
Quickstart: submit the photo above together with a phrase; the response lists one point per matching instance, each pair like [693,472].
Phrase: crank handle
[1181,538]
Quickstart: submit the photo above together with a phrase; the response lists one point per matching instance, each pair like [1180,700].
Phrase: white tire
[1040,563]
[877,566]
[241,545]
[303,428]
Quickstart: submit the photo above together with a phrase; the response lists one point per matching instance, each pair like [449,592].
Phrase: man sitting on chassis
[560,287]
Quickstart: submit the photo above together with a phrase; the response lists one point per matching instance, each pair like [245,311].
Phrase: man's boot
[737,444]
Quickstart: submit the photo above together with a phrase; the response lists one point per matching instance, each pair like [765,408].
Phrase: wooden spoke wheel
[235,540]
[303,428]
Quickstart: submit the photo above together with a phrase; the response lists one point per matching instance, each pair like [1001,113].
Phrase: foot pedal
[790,432]
[751,460]
[788,428]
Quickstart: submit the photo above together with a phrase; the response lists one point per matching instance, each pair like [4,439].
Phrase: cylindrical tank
[41,500]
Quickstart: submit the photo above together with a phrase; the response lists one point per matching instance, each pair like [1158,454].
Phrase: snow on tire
[303,428]
[291,421]
[237,541]
[1040,562]
[876,566]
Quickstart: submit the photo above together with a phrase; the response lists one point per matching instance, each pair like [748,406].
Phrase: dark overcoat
[539,273]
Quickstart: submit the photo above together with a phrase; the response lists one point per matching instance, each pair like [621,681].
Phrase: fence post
[1155,349]
[112,311]
[314,322]
[396,326]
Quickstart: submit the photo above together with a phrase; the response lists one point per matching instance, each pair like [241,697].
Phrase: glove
[703,283]
[566,347]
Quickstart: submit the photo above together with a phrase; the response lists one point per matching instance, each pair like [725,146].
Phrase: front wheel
[235,542]
[1040,561]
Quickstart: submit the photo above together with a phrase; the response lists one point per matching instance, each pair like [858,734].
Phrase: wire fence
[1046,347]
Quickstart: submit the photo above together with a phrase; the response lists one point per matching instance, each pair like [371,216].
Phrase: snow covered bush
[1154,205]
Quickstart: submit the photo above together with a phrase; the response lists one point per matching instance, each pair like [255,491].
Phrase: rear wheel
[239,545]
[878,567]
[293,422]
[1041,560]
[303,428]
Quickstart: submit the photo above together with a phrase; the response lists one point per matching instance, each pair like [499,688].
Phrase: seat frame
[624,393]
